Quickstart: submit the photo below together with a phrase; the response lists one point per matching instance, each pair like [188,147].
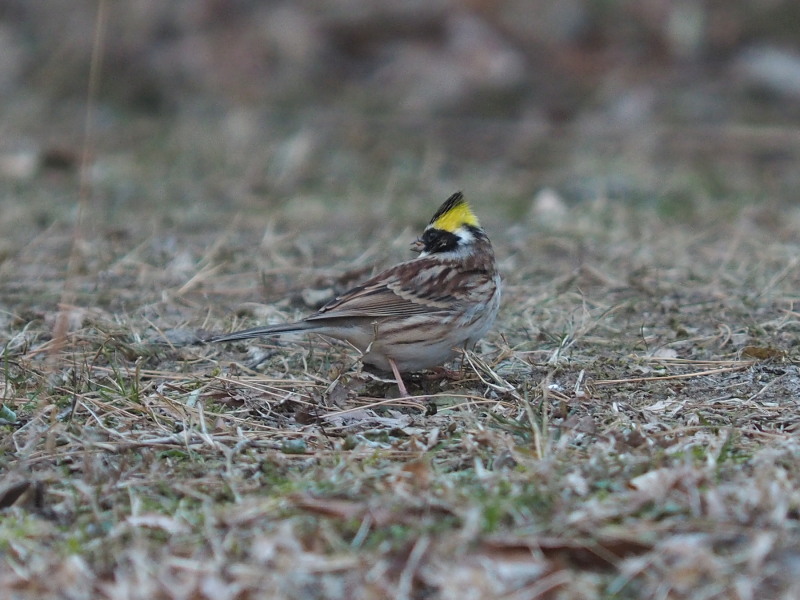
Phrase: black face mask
[436,240]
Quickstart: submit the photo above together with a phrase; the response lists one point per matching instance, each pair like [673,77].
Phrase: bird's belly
[430,344]
[410,357]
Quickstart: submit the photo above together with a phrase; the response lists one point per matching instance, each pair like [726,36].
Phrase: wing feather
[425,285]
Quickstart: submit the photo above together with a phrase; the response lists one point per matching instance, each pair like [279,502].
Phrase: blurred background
[208,105]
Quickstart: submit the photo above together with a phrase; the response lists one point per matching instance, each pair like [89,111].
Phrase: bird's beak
[417,246]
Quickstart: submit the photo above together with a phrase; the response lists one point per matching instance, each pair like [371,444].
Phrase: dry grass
[630,430]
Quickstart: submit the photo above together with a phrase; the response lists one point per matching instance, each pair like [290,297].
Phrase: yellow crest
[454,213]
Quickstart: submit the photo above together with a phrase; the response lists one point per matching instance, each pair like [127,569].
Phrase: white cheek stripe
[465,235]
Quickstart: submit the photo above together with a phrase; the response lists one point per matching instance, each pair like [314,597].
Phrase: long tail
[255,332]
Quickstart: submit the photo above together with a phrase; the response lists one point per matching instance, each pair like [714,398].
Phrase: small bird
[417,314]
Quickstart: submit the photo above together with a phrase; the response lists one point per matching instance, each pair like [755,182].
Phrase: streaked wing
[420,286]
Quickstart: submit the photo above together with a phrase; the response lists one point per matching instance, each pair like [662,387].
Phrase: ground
[629,427]
[627,430]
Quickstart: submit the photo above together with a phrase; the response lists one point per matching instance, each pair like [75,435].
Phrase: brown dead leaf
[380,515]
[23,492]
[331,507]
[590,553]
[11,492]
[581,424]
[306,415]
[763,352]
[418,472]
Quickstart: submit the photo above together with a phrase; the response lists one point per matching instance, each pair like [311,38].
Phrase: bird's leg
[402,386]
[463,362]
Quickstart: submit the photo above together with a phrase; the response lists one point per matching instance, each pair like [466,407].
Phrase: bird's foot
[439,373]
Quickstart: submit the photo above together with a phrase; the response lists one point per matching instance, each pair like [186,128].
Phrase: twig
[741,367]
[84,190]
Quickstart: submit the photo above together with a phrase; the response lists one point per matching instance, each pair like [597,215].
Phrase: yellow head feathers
[454,213]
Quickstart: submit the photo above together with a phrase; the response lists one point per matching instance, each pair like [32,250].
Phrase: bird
[419,313]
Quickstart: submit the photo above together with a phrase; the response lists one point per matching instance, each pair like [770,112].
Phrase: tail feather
[255,332]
